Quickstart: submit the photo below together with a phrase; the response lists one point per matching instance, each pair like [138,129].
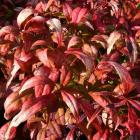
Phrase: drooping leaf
[36,24]
[24,16]
[71,102]
[114,36]
[73,41]
[127,83]
[34,81]
[38,43]
[13,103]
[86,59]
[101,39]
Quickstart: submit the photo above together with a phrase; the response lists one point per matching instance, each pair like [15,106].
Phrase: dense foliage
[69,69]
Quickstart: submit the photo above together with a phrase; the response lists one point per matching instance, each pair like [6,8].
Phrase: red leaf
[9,33]
[40,7]
[94,115]
[134,51]
[38,43]
[4,128]
[67,11]
[12,105]
[36,24]
[73,41]
[101,39]
[135,103]
[24,16]
[86,59]
[29,108]
[65,76]
[15,69]
[34,81]
[133,124]
[70,135]
[49,4]
[127,84]
[78,14]
[100,99]
[42,56]
[71,102]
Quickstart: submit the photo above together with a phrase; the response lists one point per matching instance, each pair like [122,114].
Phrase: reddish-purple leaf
[42,71]
[19,56]
[78,14]
[71,102]
[114,36]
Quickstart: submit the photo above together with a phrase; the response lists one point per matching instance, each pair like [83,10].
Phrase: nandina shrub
[70,69]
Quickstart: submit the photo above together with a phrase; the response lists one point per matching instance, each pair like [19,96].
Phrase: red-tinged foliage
[71,103]
[69,69]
